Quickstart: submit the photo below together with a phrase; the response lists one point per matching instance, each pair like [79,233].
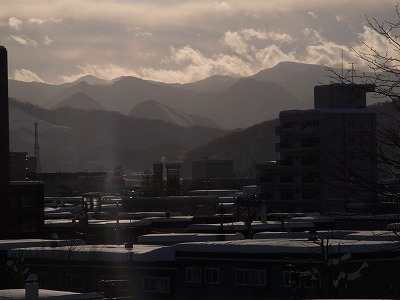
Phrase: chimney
[4,127]
[32,287]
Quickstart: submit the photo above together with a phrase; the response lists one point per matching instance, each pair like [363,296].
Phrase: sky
[58,41]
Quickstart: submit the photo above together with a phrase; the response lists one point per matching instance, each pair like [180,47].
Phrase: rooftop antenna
[38,166]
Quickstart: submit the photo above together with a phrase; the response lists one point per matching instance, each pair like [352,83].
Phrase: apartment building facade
[327,155]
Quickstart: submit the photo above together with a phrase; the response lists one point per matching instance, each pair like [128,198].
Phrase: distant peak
[90,79]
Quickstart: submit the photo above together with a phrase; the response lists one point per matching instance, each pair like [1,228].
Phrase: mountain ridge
[287,85]
[154,110]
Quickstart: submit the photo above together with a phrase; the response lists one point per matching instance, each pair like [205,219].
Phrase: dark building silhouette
[69,184]
[173,178]
[18,166]
[206,168]
[320,149]
[22,202]
[157,184]
[4,127]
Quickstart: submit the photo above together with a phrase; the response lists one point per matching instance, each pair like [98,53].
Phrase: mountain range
[93,124]
[154,110]
[229,102]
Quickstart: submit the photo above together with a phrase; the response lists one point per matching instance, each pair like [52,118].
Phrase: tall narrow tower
[4,125]
[37,156]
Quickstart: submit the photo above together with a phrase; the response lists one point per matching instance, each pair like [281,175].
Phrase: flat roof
[257,225]
[313,111]
[186,237]
[287,246]
[103,253]
[49,294]
[97,223]
[22,243]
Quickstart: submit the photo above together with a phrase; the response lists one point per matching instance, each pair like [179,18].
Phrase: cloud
[235,42]
[184,55]
[42,21]
[249,58]
[47,41]
[24,40]
[197,66]
[371,41]
[188,64]
[105,71]
[234,37]
[14,23]
[272,55]
[26,75]
[313,35]
[36,21]
[264,35]
[326,53]
[312,14]
[222,6]
[341,18]
[137,32]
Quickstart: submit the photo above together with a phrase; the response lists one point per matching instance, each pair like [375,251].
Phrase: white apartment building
[327,155]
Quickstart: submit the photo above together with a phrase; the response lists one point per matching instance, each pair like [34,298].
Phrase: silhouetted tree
[384,72]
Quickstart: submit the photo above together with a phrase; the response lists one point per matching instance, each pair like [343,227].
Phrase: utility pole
[37,156]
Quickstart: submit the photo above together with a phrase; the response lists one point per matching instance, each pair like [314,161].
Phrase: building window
[156,285]
[193,275]
[120,286]
[291,279]
[250,277]
[211,275]
[312,281]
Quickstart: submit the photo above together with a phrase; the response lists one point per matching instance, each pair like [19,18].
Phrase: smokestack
[4,126]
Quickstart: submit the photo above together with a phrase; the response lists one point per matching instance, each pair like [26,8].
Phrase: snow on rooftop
[103,253]
[257,225]
[22,243]
[49,294]
[369,217]
[314,219]
[186,237]
[146,214]
[97,223]
[378,235]
[282,246]
[169,220]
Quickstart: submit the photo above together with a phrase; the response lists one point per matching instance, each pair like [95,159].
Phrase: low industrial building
[353,266]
